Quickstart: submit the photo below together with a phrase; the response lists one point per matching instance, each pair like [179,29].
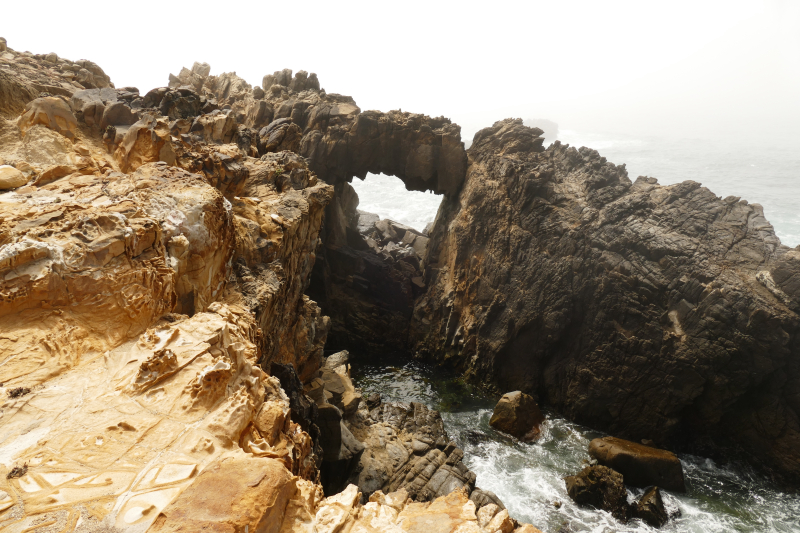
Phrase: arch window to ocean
[387,197]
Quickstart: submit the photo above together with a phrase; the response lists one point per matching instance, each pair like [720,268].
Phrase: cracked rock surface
[648,311]
[155,251]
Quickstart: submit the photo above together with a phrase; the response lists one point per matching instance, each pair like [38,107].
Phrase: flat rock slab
[641,465]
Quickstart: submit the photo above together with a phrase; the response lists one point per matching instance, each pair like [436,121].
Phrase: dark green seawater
[528,477]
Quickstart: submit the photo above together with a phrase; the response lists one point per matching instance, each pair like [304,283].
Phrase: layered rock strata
[368,295]
[387,447]
[139,309]
[154,254]
[653,312]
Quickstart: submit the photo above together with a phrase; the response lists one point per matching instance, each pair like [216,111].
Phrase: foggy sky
[712,67]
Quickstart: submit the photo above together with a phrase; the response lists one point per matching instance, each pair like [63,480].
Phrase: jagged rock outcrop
[654,312]
[152,274]
[339,140]
[407,447]
[368,296]
[379,446]
[135,350]
[397,512]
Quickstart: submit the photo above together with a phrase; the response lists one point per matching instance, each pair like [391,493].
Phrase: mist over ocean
[755,166]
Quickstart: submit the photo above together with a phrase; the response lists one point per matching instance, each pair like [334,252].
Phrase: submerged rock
[641,465]
[518,415]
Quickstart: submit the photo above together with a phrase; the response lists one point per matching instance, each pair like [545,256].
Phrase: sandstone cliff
[652,312]
[139,305]
[155,252]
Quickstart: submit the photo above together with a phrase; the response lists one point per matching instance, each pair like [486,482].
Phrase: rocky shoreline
[175,263]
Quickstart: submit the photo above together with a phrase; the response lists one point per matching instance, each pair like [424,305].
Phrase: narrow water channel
[528,477]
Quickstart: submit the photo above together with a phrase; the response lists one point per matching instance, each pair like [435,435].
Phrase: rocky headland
[175,263]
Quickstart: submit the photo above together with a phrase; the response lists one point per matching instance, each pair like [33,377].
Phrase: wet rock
[641,465]
[650,508]
[600,487]
[373,401]
[406,447]
[518,415]
[341,450]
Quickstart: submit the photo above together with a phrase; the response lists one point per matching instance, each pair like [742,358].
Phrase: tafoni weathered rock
[155,335]
[157,254]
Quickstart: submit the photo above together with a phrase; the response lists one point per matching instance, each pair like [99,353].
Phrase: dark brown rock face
[641,465]
[600,487]
[339,140]
[517,414]
[657,312]
[650,508]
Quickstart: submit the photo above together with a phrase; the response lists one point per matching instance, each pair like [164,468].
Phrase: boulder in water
[517,414]
[650,508]
[600,487]
[641,465]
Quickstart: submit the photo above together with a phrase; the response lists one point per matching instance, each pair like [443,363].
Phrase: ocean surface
[528,478]
[758,168]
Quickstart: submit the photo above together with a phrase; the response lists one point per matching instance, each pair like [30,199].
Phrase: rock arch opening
[371,262]
[387,198]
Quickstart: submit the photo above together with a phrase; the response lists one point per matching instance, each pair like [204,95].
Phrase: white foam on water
[528,478]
